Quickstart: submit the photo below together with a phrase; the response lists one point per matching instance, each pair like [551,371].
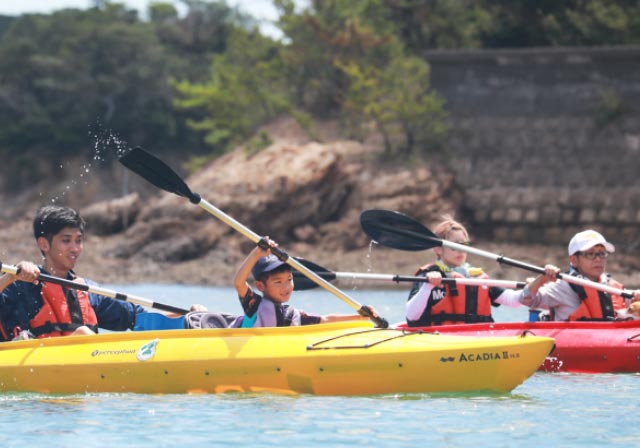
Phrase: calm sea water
[547,410]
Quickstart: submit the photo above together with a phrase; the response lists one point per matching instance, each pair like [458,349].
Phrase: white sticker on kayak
[147,351]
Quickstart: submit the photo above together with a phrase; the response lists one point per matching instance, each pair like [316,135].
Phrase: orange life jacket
[597,305]
[63,311]
[3,332]
[460,304]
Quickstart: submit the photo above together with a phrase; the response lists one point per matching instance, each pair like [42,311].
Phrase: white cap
[587,239]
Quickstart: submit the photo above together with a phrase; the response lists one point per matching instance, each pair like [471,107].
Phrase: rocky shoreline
[306,195]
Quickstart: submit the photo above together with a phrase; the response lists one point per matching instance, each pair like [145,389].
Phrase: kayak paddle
[399,231]
[162,176]
[10,269]
[301,283]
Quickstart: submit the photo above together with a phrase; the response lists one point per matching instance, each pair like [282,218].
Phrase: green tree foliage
[354,65]
[396,99]
[522,23]
[457,24]
[63,74]
[431,24]
[202,33]
[321,39]
[75,68]
[154,82]
[5,22]
[244,91]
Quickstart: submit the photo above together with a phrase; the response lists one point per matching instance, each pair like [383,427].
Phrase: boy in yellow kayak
[267,307]
[31,308]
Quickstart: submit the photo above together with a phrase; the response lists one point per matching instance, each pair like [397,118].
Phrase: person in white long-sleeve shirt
[432,303]
[588,252]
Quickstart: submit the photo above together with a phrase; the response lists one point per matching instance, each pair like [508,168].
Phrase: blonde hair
[448,225]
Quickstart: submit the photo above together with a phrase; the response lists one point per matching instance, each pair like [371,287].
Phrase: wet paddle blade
[398,231]
[303,283]
[157,173]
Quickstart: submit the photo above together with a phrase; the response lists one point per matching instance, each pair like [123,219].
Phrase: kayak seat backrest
[207,319]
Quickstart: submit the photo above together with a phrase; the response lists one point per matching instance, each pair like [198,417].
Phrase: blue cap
[265,264]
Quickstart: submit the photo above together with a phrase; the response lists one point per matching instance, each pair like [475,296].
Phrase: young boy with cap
[267,306]
[588,252]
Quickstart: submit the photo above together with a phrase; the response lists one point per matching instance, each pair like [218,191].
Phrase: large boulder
[272,192]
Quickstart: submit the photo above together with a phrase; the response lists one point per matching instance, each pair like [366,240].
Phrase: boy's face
[63,251]
[278,287]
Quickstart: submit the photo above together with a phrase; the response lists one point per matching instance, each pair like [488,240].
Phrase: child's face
[452,257]
[63,251]
[278,287]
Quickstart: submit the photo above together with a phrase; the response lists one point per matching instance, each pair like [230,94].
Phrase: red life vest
[460,304]
[63,311]
[597,305]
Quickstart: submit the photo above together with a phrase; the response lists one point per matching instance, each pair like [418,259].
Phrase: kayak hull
[581,347]
[328,359]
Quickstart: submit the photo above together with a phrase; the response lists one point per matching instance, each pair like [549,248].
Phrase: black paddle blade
[158,173]
[303,283]
[398,231]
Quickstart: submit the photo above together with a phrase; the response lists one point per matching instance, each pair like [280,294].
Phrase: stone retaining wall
[546,142]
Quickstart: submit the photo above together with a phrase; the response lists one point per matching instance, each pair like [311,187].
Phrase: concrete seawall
[545,142]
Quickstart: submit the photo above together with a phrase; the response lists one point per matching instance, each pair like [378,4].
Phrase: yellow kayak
[350,358]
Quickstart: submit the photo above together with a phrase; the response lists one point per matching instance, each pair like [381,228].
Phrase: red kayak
[581,347]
